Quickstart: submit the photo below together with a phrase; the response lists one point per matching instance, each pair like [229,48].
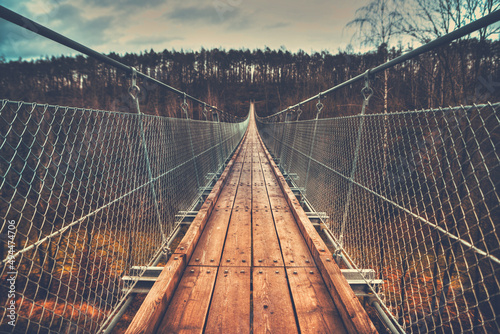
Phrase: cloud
[278,25]
[214,14]
[14,5]
[65,19]
[153,40]
[125,4]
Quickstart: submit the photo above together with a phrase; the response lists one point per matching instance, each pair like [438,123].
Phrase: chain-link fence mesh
[86,195]
[414,196]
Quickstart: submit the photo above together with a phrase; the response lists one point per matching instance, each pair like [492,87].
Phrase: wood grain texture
[316,311]
[266,248]
[230,308]
[272,304]
[238,246]
[154,306]
[188,309]
[354,316]
[189,241]
[209,247]
[347,303]
[293,246]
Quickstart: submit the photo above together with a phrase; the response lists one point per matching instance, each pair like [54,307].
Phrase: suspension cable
[461,32]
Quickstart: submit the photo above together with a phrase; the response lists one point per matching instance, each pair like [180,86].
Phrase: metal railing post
[134,93]
[299,112]
[283,138]
[367,92]
[184,107]
[222,155]
[319,107]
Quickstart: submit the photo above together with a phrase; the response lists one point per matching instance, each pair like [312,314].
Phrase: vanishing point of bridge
[251,261]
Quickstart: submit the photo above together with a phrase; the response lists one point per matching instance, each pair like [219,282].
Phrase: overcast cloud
[136,25]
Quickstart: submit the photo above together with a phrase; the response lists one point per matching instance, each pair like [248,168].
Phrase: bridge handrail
[41,30]
[456,34]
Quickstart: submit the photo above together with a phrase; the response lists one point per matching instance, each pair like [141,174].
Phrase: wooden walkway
[251,262]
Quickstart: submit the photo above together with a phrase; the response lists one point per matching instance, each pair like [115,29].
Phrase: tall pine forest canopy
[452,75]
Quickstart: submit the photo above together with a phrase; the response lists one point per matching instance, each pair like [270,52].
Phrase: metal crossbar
[80,206]
[423,209]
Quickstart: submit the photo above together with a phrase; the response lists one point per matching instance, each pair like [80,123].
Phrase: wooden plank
[189,241]
[152,309]
[353,314]
[154,306]
[272,304]
[266,248]
[347,303]
[316,312]
[230,308]
[238,246]
[188,309]
[293,246]
[209,247]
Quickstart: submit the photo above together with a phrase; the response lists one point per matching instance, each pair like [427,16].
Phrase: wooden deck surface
[252,268]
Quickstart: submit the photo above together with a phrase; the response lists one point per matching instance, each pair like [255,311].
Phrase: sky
[137,25]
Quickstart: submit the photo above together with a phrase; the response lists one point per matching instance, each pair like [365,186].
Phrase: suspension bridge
[249,225]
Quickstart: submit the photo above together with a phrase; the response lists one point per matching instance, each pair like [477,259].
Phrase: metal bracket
[359,280]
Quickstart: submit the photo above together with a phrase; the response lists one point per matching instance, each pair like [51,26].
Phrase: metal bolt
[260,260]
[291,261]
[176,258]
[275,261]
[197,260]
[192,270]
[277,272]
[211,260]
[307,261]
[260,271]
[208,271]
[321,250]
[311,272]
[242,271]
[226,271]
[243,261]
[327,259]
[228,260]
[295,272]
[182,248]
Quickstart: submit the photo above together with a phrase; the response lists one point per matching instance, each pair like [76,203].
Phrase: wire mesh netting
[414,196]
[86,195]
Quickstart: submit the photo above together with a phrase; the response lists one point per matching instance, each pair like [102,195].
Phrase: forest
[464,72]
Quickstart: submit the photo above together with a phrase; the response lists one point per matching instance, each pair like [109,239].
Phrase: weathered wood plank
[266,249]
[315,309]
[230,308]
[347,303]
[272,304]
[152,309]
[238,246]
[154,306]
[209,247]
[188,243]
[188,309]
[293,246]
[355,318]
